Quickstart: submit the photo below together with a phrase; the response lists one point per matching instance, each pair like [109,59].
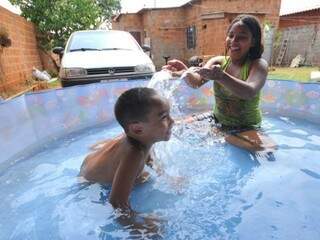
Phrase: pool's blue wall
[32,119]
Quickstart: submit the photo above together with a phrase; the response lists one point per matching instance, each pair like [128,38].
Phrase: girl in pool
[238,80]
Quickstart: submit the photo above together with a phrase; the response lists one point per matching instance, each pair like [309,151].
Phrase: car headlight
[149,67]
[72,72]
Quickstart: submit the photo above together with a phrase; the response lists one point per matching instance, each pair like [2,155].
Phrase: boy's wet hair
[134,105]
[253,24]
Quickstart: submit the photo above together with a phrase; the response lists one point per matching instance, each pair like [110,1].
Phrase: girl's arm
[242,89]
[176,67]
[218,60]
[192,76]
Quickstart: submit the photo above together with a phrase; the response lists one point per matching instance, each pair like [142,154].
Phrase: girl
[238,79]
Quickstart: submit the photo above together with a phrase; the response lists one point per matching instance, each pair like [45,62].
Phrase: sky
[6,4]
[287,6]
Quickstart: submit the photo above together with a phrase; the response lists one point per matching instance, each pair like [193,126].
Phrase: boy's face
[159,124]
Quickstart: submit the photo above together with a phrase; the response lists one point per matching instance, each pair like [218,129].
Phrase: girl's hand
[213,73]
[192,76]
[176,67]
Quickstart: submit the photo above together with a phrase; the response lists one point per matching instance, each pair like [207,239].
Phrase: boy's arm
[154,164]
[122,185]
[176,182]
[124,180]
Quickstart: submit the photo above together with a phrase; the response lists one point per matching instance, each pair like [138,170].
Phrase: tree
[57,19]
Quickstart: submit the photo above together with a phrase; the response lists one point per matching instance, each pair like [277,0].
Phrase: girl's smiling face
[239,41]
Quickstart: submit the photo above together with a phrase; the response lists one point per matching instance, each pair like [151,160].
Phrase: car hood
[102,59]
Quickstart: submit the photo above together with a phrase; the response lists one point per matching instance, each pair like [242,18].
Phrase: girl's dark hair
[134,105]
[253,24]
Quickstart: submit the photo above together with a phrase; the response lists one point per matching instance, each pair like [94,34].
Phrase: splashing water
[186,135]
[166,85]
[196,131]
[162,82]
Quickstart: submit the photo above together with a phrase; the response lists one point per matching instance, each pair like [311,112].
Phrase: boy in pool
[145,117]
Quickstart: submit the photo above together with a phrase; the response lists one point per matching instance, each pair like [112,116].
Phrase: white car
[100,55]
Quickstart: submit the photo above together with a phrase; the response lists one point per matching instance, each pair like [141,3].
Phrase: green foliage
[108,8]
[277,39]
[57,19]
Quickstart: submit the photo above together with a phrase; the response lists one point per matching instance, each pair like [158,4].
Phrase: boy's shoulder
[133,149]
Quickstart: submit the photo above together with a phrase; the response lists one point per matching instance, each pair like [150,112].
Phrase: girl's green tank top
[232,111]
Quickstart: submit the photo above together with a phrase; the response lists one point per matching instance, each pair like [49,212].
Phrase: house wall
[163,30]
[167,27]
[166,31]
[304,41]
[300,19]
[302,30]
[16,61]
[129,22]
[212,29]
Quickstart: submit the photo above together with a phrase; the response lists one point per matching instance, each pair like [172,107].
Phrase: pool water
[225,192]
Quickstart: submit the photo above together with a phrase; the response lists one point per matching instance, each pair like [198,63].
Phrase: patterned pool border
[32,119]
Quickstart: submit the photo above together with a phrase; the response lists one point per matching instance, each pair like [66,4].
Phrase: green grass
[301,74]
[55,84]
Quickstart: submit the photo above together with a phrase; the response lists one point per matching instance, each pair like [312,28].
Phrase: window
[191,37]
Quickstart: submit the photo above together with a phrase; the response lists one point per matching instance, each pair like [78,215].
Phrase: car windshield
[101,40]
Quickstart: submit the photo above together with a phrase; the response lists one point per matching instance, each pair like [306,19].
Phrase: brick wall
[129,22]
[163,29]
[212,19]
[166,31]
[302,30]
[300,19]
[302,40]
[16,61]
[167,27]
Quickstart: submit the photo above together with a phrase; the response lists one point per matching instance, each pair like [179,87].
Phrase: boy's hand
[143,177]
[150,225]
[178,183]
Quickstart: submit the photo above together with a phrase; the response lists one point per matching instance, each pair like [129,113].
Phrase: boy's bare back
[145,117]
[101,165]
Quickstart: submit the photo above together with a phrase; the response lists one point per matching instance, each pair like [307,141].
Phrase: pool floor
[224,192]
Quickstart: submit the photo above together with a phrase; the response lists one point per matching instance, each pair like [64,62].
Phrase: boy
[145,117]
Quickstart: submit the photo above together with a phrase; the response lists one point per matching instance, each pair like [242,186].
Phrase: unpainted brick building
[195,28]
[301,30]
[16,61]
